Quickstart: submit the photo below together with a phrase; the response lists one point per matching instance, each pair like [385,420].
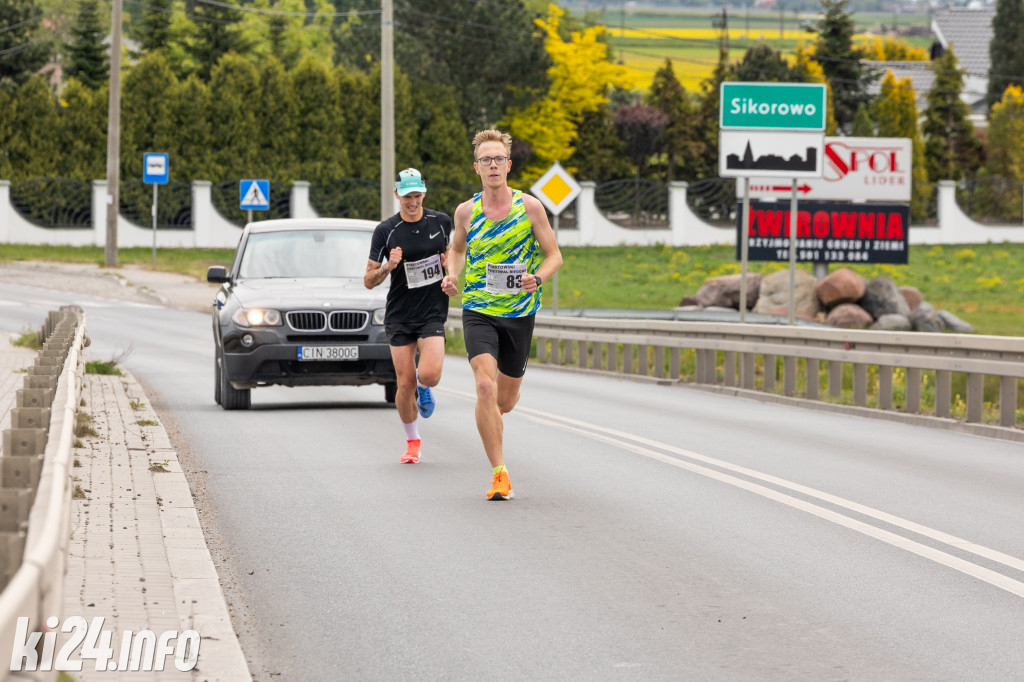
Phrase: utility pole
[113,137]
[387,108]
[782,20]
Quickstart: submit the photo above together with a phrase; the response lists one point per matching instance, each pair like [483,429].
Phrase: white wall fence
[211,230]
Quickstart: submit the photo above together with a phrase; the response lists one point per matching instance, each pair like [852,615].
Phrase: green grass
[27,339]
[192,262]
[102,367]
[983,284]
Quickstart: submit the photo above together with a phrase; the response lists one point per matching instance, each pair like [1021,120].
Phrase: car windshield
[307,253]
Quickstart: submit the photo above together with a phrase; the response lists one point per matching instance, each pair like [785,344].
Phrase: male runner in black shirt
[411,247]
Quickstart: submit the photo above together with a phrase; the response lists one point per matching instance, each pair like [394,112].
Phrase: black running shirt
[419,242]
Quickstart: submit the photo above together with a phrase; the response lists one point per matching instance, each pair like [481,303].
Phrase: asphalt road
[657,533]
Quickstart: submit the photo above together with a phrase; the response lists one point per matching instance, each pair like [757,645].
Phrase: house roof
[969,31]
[920,73]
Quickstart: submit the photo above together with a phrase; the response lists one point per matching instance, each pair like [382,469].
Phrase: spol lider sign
[773,106]
[828,232]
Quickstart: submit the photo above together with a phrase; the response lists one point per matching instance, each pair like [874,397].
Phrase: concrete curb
[138,556]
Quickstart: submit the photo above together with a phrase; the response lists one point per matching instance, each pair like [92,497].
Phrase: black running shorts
[405,334]
[507,339]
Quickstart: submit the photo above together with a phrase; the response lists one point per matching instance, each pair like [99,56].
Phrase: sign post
[556,189]
[253,195]
[155,171]
[775,130]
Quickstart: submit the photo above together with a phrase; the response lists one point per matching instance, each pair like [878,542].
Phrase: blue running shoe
[424,401]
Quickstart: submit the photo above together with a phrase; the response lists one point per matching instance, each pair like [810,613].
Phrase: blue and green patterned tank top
[506,245]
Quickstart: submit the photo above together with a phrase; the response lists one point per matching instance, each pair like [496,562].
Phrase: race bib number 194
[505,278]
[420,273]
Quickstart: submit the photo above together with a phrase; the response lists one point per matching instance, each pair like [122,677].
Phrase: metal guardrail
[747,356]
[36,484]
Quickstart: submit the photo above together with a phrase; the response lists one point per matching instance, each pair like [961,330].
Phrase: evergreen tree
[146,121]
[6,133]
[278,116]
[683,144]
[359,116]
[153,29]
[319,142]
[708,118]
[33,148]
[87,54]
[762,63]
[863,126]
[217,32]
[491,53]
[810,71]
[1005,131]
[82,131]
[443,155]
[25,46]
[951,147]
[192,149]
[600,154]
[234,94]
[895,112]
[841,63]
[1006,58]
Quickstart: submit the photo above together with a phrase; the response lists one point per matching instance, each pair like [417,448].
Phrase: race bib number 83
[505,278]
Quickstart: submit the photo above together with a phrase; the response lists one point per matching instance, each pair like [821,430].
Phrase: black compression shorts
[405,334]
[507,339]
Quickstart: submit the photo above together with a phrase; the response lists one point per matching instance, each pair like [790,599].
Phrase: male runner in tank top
[504,240]
[411,247]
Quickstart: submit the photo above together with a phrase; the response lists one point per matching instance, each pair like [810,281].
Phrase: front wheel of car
[231,398]
[390,391]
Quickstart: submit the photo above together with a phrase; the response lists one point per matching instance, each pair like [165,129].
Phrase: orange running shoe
[501,487]
[412,452]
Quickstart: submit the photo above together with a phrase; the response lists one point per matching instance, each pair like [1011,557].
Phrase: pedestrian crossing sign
[254,195]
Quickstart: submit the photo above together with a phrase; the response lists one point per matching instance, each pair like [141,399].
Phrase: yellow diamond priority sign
[556,189]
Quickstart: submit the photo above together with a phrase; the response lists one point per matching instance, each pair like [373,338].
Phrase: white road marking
[642,446]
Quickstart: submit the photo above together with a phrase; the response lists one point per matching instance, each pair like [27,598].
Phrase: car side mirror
[217,274]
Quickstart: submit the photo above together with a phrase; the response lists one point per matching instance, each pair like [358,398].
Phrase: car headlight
[256,317]
[378,315]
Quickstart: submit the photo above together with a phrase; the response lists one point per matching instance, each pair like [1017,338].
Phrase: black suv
[294,312]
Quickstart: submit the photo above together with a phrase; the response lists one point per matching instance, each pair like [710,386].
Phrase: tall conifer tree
[1006,58]
[88,60]
[24,45]
[951,147]
[842,63]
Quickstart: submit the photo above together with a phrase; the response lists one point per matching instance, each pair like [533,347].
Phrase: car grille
[307,321]
[316,320]
[345,320]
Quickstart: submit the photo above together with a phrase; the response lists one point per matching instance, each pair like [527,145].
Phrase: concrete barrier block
[12,552]
[14,507]
[45,370]
[20,442]
[30,418]
[33,397]
[20,472]
[47,381]
[49,361]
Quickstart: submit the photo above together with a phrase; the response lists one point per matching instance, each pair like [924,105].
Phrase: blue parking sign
[254,195]
[155,169]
